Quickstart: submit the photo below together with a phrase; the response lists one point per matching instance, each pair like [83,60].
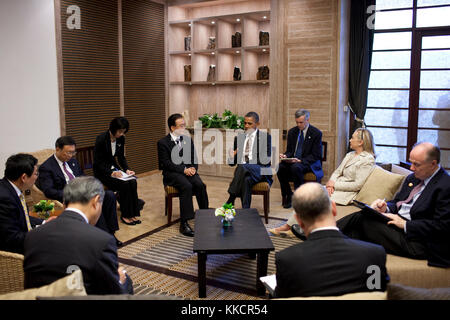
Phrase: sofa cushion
[71,285]
[380,184]
[416,273]
[397,291]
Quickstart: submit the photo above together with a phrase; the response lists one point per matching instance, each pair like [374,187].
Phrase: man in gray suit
[328,263]
[71,242]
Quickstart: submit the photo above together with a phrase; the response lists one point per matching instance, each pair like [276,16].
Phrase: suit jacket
[187,156]
[328,263]
[103,158]
[13,226]
[430,216]
[52,250]
[350,176]
[261,150]
[311,151]
[261,153]
[51,178]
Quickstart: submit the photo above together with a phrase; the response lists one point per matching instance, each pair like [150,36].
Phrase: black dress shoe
[298,232]
[186,229]
[231,199]
[137,221]
[118,242]
[128,223]
[141,204]
[288,202]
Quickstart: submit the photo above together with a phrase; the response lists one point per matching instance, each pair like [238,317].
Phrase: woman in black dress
[110,162]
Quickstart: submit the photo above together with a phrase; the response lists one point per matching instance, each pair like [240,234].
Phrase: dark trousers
[127,195]
[187,187]
[241,185]
[360,226]
[291,172]
[108,218]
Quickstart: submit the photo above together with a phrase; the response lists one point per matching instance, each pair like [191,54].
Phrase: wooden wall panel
[90,69]
[144,81]
[312,59]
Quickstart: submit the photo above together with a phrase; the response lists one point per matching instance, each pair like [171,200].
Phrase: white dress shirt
[247,137]
[405,208]
[324,228]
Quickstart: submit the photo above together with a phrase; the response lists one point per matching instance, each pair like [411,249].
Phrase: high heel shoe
[128,223]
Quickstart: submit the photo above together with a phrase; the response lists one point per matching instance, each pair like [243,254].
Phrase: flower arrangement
[227,212]
[229,120]
[44,208]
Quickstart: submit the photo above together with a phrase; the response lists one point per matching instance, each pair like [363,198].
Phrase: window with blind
[409,88]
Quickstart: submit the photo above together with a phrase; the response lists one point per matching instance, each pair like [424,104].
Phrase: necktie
[71,177]
[247,148]
[25,209]
[413,192]
[298,151]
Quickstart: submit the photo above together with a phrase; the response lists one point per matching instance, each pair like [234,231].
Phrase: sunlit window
[409,88]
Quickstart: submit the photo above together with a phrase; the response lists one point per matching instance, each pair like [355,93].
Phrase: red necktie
[67,171]
[414,191]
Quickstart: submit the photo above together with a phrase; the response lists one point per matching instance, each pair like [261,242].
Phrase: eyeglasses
[71,153]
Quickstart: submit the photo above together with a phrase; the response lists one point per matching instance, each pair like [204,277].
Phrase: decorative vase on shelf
[236,40]
[211,73]
[211,43]
[187,72]
[187,43]
[263,38]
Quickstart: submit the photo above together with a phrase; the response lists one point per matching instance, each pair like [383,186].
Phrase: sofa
[383,182]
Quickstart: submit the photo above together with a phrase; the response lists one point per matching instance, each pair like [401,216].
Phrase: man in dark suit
[252,154]
[70,242]
[304,146]
[62,167]
[20,174]
[179,165]
[327,263]
[420,213]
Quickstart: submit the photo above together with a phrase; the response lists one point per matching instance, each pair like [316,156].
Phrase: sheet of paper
[270,282]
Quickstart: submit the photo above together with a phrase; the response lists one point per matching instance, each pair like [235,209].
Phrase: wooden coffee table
[247,235]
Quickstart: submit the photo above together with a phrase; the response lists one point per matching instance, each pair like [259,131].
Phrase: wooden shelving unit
[200,21]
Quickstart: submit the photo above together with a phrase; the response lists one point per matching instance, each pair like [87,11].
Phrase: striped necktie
[413,192]
[25,209]
[298,150]
[69,175]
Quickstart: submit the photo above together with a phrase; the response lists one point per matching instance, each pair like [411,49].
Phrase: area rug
[162,262]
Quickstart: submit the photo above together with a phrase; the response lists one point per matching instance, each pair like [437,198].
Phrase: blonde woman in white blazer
[349,177]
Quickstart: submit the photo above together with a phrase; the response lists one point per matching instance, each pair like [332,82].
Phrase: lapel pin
[410,184]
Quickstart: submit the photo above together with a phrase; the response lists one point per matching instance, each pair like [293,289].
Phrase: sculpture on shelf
[211,43]
[237,74]
[263,38]
[211,73]
[263,73]
[236,40]
[187,73]
[187,43]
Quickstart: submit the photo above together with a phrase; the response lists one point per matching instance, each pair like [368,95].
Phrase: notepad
[125,177]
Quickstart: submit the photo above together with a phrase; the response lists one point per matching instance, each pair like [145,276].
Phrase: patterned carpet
[162,262]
